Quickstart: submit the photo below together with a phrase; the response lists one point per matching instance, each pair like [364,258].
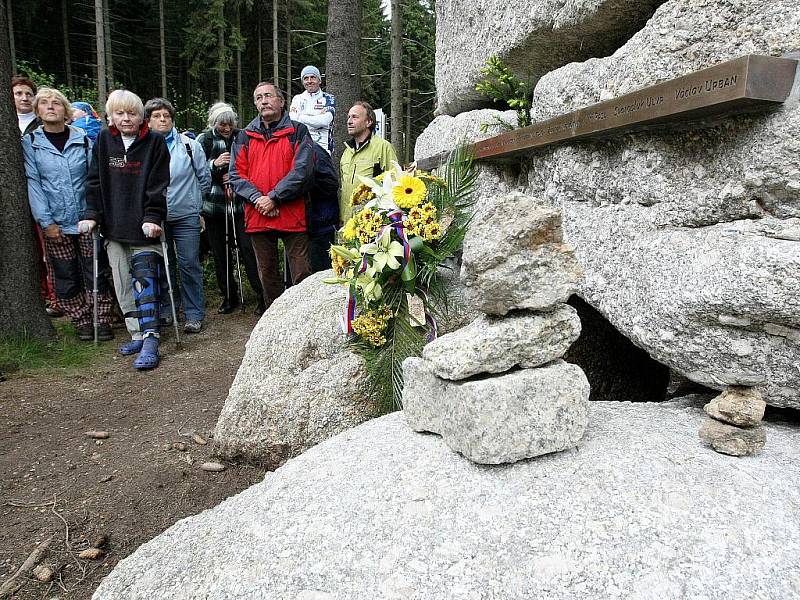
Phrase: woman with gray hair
[189,180]
[216,142]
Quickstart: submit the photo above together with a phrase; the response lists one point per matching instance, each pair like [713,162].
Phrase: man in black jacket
[126,197]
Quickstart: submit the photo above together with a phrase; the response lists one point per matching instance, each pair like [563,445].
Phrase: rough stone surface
[494,345]
[515,257]
[688,238]
[500,419]
[297,384]
[381,512]
[532,38]
[728,439]
[739,406]
[446,132]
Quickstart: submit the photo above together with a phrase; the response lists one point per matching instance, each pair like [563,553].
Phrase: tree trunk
[100,47]
[288,50]
[221,63]
[407,136]
[107,35]
[10,21]
[21,306]
[260,51]
[397,79]
[65,30]
[163,46]
[275,60]
[343,63]
[239,61]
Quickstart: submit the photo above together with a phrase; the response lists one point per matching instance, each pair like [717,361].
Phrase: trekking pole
[236,256]
[227,249]
[95,287]
[169,286]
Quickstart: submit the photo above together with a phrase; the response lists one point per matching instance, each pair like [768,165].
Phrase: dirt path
[131,486]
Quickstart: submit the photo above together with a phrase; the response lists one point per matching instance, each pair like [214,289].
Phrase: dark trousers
[215,231]
[265,246]
[320,250]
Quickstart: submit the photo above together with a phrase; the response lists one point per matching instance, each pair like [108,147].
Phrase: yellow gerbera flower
[409,192]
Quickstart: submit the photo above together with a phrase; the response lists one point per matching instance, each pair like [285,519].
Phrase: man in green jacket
[364,154]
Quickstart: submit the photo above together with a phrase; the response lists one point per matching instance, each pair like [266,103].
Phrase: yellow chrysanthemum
[415,214]
[361,195]
[409,192]
[433,231]
[371,325]
[428,210]
[350,230]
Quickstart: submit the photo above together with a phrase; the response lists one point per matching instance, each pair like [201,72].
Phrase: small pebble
[214,467]
[179,446]
[99,541]
[199,439]
[106,479]
[97,435]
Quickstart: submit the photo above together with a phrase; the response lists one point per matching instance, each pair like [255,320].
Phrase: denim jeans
[183,235]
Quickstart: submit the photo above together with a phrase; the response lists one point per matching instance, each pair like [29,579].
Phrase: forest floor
[57,481]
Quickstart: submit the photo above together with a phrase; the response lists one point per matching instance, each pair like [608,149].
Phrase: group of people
[119,196]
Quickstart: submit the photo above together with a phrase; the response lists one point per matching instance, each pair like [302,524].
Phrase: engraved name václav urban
[737,84]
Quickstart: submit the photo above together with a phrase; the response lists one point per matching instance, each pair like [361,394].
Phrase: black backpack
[322,192]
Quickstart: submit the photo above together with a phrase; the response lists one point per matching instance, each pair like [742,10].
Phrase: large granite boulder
[532,38]
[641,509]
[515,257]
[688,239]
[501,419]
[298,384]
[495,345]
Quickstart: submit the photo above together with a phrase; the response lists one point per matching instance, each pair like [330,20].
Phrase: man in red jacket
[271,168]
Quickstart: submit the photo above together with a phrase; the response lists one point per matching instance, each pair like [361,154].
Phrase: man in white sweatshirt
[315,109]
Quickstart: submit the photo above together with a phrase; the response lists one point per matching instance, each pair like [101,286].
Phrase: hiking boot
[228,306]
[104,333]
[85,332]
[192,326]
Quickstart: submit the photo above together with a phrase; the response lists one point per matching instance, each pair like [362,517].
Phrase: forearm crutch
[169,285]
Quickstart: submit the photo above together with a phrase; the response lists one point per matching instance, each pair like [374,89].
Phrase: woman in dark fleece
[126,198]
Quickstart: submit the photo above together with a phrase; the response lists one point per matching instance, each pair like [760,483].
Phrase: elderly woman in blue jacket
[189,179]
[56,163]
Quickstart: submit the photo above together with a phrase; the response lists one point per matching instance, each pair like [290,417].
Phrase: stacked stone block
[497,390]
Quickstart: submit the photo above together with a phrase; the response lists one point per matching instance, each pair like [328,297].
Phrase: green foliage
[24,353]
[86,92]
[501,85]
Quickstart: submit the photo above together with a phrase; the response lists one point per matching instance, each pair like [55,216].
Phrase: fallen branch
[18,579]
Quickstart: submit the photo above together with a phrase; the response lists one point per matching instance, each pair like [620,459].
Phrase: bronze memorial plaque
[738,84]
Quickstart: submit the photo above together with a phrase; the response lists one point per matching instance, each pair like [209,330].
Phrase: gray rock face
[297,384]
[499,419]
[381,512]
[532,38]
[736,441]
[740,406]
[492,345]
[686,238]
[446,132]
[515,257]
